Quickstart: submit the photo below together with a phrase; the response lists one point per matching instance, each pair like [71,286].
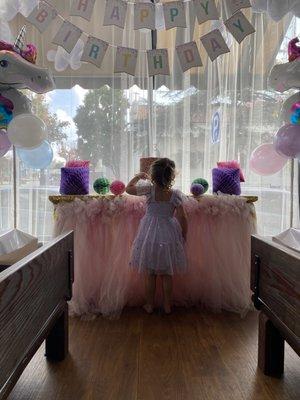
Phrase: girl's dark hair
[163,172]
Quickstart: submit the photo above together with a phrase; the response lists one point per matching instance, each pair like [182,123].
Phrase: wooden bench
[33,307]
[275,281]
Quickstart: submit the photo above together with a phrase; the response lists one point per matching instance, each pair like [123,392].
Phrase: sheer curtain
[174,119]
[6,192]
[235,85]
[106,114]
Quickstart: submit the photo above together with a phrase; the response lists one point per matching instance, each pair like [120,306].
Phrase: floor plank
[189,355]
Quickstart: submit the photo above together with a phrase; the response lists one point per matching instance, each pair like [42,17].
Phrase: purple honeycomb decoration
[74,181]
[226,180]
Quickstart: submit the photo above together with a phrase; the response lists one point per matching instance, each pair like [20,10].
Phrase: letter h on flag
[82,8]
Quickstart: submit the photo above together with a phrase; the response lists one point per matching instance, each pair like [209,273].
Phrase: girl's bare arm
[131,187]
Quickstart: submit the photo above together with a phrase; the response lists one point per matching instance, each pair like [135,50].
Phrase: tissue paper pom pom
[232,164]
[77,163]
[101,185]
[197,189]
[202,182]
[74,181]
[117,188]
[226,180]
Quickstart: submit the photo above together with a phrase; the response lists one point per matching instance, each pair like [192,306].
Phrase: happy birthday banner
[144,17]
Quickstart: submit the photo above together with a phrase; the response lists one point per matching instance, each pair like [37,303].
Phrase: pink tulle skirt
[218,254]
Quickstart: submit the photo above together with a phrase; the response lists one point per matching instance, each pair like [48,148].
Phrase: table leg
[270,347]
[57,342]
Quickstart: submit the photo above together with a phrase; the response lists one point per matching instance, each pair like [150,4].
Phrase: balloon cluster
[18,126]
[28,134]
[270,158]
[25,131]
[287,139]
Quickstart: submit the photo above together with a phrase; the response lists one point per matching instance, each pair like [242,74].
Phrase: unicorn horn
[20,40]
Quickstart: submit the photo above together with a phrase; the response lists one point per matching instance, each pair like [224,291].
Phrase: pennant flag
[144,16]
[94,51]
[67,36]
[188,55]
[174,14]
[236,5]
[239,26]
[115,13]
[214,44]
[158,62]
[42,16]
[82,8]
[206,10]
[126,60]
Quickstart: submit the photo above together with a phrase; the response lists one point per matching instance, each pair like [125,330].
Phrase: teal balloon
[295,119]
[38,158]
[203,182]
[297,112]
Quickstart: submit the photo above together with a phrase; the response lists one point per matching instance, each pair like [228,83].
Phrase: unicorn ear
[20,40]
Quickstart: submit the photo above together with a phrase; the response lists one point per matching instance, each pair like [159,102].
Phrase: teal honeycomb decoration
[101,186]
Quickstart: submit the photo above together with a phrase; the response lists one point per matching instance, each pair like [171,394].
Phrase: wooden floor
[188,355]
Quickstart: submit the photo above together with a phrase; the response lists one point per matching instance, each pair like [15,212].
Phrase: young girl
[159,246]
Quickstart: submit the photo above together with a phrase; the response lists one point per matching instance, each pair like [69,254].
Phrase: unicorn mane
[29,54]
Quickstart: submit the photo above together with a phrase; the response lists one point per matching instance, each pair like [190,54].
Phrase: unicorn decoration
[18,70]
[270,158]
[287,76]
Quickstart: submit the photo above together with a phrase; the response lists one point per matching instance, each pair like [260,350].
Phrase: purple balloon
[265,160]
[287,141]
[5,143]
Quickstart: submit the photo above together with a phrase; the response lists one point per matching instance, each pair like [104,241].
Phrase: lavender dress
[159,246]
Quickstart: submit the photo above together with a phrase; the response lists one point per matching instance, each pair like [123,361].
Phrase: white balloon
[276,9]
[26,131]
[286,108]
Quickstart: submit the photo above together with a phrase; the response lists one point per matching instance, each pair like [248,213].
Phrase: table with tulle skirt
[218,250]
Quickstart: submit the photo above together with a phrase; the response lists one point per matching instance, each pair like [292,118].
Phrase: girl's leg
[150,286]
[167,282]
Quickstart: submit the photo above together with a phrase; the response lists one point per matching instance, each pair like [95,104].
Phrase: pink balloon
[265,161]
[5,143]
[287,141]
[295,106]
